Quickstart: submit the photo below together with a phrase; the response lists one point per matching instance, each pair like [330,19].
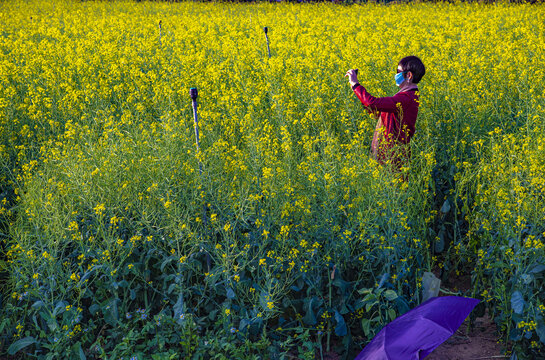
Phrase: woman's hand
[352,75]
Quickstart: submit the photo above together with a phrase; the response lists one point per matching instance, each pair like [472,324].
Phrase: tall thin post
[266,29]
[160,42]
[194,94]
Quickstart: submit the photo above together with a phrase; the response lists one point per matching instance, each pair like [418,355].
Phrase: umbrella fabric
[414,335]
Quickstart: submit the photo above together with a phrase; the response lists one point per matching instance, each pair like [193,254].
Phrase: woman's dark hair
[414,65]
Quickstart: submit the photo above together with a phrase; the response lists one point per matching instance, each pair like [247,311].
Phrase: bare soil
[480,343]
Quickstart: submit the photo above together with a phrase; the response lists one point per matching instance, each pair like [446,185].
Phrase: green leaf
[110,312]
[178,308]
[38,305]
[402,305]
[310,317]
[365,325]
[340,329]
[446,207]
[391,314]
[165,263]
[358,304]
[60,308]
[527,278]
[4,323]
[244,323]
[87,275]
[230,293]
[93,309]
[263,299]
[256,326]
[21,344]
[370,305]
[52,324]
[364,291]
[79,352]
[390,295]
[212,315]
[517,302]
[540,330]
[45,315]
[383,279]
[537,268]
[340,282]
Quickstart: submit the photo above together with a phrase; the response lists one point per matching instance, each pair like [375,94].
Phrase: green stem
[328,330]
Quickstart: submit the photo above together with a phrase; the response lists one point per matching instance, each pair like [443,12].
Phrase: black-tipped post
[266,30]
[194,94]
[160,33]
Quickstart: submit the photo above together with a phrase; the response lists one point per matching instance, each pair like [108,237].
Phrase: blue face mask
[400,78]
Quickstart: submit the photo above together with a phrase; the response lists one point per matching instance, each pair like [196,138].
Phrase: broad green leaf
[45,315]
[178,308]
[256,326]
[370,305]
[390,295]
[446,207]
[310,317]
[93,309]
[38,305]
[540,330]
[212,315]
[21,344]
[230,293]
[340,329]
[87,275]
[383,279]
[52,324]
[391,314]
[527,278]
[366,325]
[364,291]
[517,302]
[537,268]
[110,312]
[166,262]
[60,308]
[79,352]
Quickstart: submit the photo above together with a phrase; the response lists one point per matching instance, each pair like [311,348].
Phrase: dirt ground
[479,344]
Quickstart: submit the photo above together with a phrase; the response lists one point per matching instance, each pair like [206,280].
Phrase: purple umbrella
[414,335]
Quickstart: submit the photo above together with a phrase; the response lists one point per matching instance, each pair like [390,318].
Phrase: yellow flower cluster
[98,142]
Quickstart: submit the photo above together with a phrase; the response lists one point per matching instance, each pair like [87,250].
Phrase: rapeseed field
[278,236]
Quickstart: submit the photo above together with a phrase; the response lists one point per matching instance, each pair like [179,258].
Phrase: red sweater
[396,124]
